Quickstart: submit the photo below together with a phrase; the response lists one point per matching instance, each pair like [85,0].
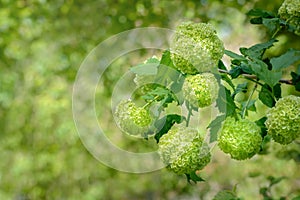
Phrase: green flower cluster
[132,119]
[240,138]
[200,90]
[290,11]
[283,120]
[196,48]
[183,150]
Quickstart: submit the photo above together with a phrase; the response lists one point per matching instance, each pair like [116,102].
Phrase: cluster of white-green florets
[290,11]
[240,138]
[200,90]
[196,48]
[183,150]
[132,119]
[283,120]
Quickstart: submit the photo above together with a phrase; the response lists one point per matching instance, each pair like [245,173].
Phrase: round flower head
[283,120]
[183,150]
[290,11]
[240,138]
[200,90]
[132,119]
[196,48]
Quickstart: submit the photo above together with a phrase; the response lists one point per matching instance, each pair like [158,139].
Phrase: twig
[289,82]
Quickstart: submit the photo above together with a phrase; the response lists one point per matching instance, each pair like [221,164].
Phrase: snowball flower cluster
[132,119]
[196,48]
[239,138]
[200,90]
[183,150]
[283,120]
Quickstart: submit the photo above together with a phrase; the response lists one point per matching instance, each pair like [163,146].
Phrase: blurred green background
[42,44]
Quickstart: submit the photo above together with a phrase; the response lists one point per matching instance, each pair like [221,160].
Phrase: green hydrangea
[196,48]
[239,138]
[132,119]
[200,90]
[290,11]
[183,150]
[283,120]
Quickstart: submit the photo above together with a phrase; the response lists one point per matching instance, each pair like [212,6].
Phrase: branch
[289,82]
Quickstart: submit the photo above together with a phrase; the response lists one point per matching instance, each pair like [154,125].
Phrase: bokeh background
[43,43]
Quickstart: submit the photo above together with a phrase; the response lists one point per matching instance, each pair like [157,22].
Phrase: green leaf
[164,124]
[240,88]
[295,77]
[235,72]
[194,177]
[274,180]
[152,60]
[225,195]
[234,55]
[271,24]
[251,105]
[228,80]
[166,75]
[264,145]
[264,192]
[286,59]
[246,68]
[260,69]
[265,95]
[296,80]
[248,106]
[261,124]
[277,91]
[260,13]
[162,95]
[241,68]
[225,102]
[224,76]
[177,85]
[160,91]
[256,20]
[149,67]
[166,59]
[215,126]
[257,50]
[148,97]
[179,97]
[221,65]
[145,69]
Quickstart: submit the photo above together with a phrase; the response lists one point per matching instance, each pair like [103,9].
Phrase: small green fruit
[183,150]
[283,120]
[239,138]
